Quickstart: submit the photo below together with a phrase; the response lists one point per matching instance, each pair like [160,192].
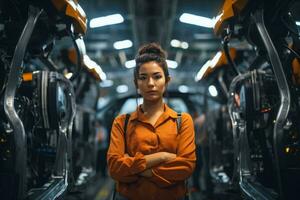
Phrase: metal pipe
[282,84]
[14,80]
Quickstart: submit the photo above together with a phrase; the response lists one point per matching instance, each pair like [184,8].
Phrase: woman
[158,158]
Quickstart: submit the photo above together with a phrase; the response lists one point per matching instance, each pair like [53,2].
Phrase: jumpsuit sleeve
[121,168]
[183,165]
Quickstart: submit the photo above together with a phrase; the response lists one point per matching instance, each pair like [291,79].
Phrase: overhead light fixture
[297,23]
[179,44]
[175,43]
[106,83]
[213,90]
[122,88]
[172,64]
[183,89]
[184,45]
[106,20]
[124,44]
[130,64]
[197,20]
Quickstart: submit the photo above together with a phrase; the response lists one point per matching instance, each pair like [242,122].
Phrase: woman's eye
[157,77]
[142,78]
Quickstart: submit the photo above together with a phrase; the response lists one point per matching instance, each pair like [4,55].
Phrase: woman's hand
[158,158]
[168,156]
[155,159]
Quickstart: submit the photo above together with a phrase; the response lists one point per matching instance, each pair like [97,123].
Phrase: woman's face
[151,81]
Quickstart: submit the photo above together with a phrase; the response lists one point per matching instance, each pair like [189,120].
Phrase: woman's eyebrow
[143,74]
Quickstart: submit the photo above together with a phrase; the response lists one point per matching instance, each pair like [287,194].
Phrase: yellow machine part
[219,62]
[72,9]
[223,61]
[296,71]
[91,66]
[230,9]
[27,76]
[72,56]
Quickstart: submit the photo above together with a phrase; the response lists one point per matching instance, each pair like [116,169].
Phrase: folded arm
[125,168]
[122,168]
[180,168]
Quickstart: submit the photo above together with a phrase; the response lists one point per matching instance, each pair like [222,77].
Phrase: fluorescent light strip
[297,23]
[130,64]
[183,89]
[122,88]
[184,45]
[124,44]
[172,64]
[175,43]
[106,83]
[178,44]
[106,20]
[197,20]
[213,90]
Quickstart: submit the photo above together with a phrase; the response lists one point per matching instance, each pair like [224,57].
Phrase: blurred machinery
[39,141]
[263,97]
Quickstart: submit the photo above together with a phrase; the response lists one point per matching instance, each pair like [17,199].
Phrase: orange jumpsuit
[142,138]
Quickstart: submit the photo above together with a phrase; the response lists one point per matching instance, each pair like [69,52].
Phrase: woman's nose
[150,82]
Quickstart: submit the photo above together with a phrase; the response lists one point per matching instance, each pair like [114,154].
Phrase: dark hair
[150,52]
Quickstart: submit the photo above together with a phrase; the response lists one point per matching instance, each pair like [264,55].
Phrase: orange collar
[138,114]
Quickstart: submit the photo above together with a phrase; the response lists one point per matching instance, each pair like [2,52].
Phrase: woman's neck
[150,107]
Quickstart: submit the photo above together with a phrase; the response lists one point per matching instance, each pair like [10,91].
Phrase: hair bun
[152,48]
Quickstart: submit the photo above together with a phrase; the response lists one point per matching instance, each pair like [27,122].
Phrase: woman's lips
[152,92]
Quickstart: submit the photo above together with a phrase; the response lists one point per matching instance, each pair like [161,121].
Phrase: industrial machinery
[264,99]
[39,98]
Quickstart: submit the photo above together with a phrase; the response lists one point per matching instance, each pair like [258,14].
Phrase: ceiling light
[106,83]
[122,88]
[106,20]
[184,45]
[197,20]
[183,89]
[213,90]
[124,44]
[179,44]
[297,23]
[130,64]
[175,43]
[172,64]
